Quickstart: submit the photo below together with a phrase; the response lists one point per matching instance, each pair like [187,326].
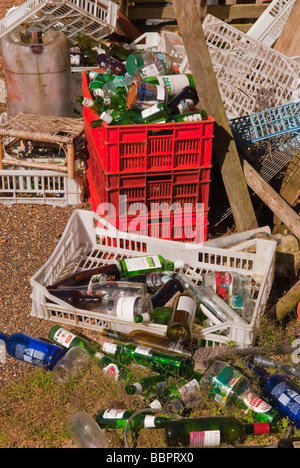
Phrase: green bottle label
[142,263]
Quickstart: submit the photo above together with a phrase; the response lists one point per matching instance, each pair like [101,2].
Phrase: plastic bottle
[147,386]
[32,350]
[193,116]
[141,58]
[142,95]
[67,339]
[282,393]
[111,65]
[159,315]
[71,364]
[117,418]
[122,269]
[182,319]
[159,361]
[152,340]
[173,83]
[226,385]
[184,101]
[210,431]
[166,292]
[85,432]
[283,368]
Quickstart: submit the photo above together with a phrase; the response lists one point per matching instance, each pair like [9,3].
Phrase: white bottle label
[138,387]
[161,93]
[64,337]
[174,83]
[190,389]
[87,102]
[143,350]
[98,92]
[149,421]
[187,304]
[113,414]
[142,263]
[205,439]
[111,371]
[125,307]
[150,111]
[110,348]
[149,70]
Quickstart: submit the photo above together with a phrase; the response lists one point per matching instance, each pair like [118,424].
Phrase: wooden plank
[210,98]
[288,42]
[141,10]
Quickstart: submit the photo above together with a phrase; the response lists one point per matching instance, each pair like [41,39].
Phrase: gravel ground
[28,236]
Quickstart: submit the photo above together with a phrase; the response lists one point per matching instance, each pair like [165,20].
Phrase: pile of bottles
[137,87]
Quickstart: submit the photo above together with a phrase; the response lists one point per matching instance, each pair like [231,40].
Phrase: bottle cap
[131,95]
[106,117]
[178,264]
[261,428]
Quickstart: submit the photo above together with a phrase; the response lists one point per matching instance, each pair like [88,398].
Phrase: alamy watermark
[160,220]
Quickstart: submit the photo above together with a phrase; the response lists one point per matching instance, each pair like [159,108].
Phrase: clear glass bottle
[153,281]
[228,283]
[286,368]
[181,322]
[71,364]
[226,385]
[85,432]
[142,95]
[141,58]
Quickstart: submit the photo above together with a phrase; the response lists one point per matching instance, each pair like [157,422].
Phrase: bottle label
[110,348]
[150,111]
[287,397]
[87,102]
[143,351]
[254,402]
[174,83]
[149,70]
[189,390]
[113,414]
[98,92]
[187,304]
[223,284]
[138,387]
[184,105]
[223,383]
[29,355]
[112,371]
[142,263]
[149,421]
[64,337]
[155,404]
[125,307]
[205,439]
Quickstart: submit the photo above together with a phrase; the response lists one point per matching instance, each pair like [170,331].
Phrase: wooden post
[286,303]
[288,42]
[272,199]
[191,31]
[71,161]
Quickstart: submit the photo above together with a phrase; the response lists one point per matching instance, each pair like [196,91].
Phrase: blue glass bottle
[281,392]
[32,350]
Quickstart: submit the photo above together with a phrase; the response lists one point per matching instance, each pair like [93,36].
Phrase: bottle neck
[257,428]
[4,337]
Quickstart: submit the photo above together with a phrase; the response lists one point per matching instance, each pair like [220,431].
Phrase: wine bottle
[193,116]
[31,350]
[116,51]
[226,385]
[122,269]
[182,319]
[161,362]
[76,298]
[210,431]
[152,340]
[119,116]
[166,292]
[154,114]
[147,386]
[184,101]
[173,83]
[117,418]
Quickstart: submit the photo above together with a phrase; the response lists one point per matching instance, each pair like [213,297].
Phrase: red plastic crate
[186,225]
[152,148]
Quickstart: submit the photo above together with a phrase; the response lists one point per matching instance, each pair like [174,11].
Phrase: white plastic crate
[252,77]
[268,27]
[89,241]
[39,187]
[93,18]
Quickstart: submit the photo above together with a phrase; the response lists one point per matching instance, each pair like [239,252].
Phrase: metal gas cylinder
[38,72]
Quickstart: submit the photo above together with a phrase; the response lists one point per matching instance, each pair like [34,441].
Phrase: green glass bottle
[210,431]
[67,340]
[117,116]
[96,105]
[159,315]
[161,362]
[196,116]
[147,386]
[226,385]
[154,114]
[182,319]
[116,51]
[173,83]
[117,418]
[140,58]
[184,390]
